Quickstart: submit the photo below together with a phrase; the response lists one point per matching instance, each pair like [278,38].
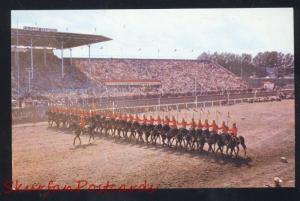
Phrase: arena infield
[41,154]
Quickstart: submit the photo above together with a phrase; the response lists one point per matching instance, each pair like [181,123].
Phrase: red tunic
[206,126]
[193,124]
[151,121]
[183,124]
[174,123]
[167,121]
[214,127]
[224,128]
[233,131]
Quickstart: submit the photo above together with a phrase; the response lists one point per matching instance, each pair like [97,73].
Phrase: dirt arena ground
[41,154]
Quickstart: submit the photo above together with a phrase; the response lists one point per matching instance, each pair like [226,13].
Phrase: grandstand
[175,76]
[35,69]
[47,75]
[106,77]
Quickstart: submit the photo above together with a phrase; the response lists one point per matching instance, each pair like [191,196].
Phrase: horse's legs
[214,147]
[93,136]
[172,140]
[134,138]
[227,147]
[142,139]
[153,139]
[244,147]
[209,147]
[237,152]
[139,137]
[218,149]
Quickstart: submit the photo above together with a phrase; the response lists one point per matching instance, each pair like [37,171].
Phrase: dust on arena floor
[41,154]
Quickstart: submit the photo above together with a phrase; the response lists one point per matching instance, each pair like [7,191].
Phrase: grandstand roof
[53,38]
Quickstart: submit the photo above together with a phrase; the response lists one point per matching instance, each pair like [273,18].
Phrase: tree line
[246,65]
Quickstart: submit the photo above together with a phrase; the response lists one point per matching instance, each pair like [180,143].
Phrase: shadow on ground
[204,155]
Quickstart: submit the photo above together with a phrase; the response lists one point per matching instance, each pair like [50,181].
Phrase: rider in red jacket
[234,130]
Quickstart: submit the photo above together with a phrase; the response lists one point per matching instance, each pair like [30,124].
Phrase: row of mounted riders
[143,130]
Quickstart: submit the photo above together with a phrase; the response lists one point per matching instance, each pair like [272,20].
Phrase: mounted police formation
[164,131]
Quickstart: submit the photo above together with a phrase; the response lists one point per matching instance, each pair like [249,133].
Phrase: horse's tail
[242,141]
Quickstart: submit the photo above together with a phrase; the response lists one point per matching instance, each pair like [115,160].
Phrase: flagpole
[177,112]
[200,113]
[227,118]
[207,116]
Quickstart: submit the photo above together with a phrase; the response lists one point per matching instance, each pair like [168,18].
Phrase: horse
[155,132]
[212,140]
[125,127]
[147,130]
[189,138]
[202,136]
[234,142]
[163,133]
[57,118]
[170,136]
[118,128]
[99,120]
[143,129]
[222,141]
[77,131]
[50,118]
[90,128]
[133,128]
[64,120]
[199,139]
[180,136]
[108,126]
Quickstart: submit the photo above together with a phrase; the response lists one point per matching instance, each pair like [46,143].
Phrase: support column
[90,59]
[71,56]
[29,78]
[45,62]
[31,58]
[29,81]
[62,59]
[18,65]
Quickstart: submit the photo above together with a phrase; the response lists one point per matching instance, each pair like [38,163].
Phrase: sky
[169,33]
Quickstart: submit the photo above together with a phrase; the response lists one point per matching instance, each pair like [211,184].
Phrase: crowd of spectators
[176,76]
[84,79]
[46,74]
